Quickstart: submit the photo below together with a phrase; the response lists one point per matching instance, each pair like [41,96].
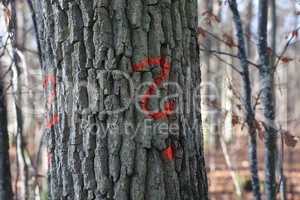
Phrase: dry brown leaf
[235,119]
[210,17]
[286,60]
[229,40]
[289,139]
[201,32]
[295,33]
[239,106]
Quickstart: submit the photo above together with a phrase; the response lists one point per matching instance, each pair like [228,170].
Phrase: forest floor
[221,184]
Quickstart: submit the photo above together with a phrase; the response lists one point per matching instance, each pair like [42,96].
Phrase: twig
[229,64]
[230,167]
[285,49]
[227,54]
[257,100]
[6,72]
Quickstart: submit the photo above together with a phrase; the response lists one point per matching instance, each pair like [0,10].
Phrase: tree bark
[5,178]
[267,101]
[94,49]
[247,100]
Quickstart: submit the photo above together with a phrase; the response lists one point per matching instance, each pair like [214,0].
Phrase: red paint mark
[49,160]
[51,97]
[52,121]
[169,106]
[141,65]
[49,79]
[169,153]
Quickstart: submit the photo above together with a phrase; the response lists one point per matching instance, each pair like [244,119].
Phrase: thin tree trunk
[267,101]
[246,100]
[279,155]
[248,28]
[208,132]
[274,31]
[93,49]
[18,101]
[5,177]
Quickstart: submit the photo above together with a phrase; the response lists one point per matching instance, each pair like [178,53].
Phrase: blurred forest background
[226,140]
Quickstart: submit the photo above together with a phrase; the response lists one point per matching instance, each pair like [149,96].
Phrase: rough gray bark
[246,100]
[5,181]
[91,42]
[267,101]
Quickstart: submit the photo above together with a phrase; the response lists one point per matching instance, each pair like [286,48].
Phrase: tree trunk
[247,100]
[5,182]
[95,56]
[267,101]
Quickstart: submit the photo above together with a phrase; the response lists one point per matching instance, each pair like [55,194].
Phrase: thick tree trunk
[5,182]
[95,50]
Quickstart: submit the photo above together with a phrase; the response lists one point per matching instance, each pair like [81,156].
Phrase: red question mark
[169,106]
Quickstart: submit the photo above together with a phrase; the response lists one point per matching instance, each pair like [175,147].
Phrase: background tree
[5,182]
[267,100]
[246,99]
[5,174]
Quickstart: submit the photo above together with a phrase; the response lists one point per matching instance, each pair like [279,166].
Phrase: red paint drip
[141,65]
[169,107]
[169,153]
[51,97]
[49,79]
[52,121]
